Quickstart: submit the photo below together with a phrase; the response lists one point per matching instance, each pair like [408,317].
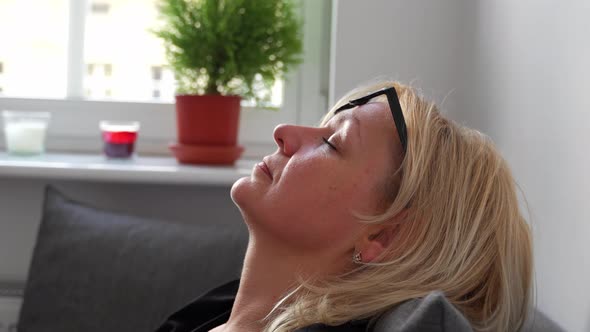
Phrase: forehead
[376,125]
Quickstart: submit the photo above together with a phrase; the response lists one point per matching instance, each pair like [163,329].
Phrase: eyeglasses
[394,106]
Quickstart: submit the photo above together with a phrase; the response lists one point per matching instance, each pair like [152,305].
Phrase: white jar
[25,132]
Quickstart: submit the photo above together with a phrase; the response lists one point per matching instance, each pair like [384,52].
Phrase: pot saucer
[206,154]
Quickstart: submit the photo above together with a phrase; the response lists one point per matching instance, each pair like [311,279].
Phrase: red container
[119,138]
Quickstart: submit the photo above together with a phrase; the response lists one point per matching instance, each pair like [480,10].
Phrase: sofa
[94,270]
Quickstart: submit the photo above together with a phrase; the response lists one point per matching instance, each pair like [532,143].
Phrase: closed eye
[329,144]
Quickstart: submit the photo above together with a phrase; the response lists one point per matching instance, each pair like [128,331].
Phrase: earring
[357,258]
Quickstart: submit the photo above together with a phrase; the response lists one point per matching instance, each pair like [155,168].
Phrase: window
[107,41]
[33,47]
[133,56]
[88,52]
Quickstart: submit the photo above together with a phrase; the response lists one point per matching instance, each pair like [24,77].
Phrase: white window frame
[74,122]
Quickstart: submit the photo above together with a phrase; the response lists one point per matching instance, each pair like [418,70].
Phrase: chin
[240,189]
[246,197]
[246,192]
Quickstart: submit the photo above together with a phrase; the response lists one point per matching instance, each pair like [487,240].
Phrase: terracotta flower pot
[207,120]
[207,123]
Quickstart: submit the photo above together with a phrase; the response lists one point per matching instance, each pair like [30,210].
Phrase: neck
[270,272]
[267,276]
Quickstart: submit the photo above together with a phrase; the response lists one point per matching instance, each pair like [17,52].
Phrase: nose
[284,137]
[290,138]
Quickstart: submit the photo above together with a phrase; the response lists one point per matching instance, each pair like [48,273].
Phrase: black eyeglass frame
[394,106]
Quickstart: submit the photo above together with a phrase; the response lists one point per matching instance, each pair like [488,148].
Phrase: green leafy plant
[225,47]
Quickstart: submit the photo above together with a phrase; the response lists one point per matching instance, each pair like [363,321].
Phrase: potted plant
[221,51]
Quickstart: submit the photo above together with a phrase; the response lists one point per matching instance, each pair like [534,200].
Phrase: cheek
[316,194]
[318,216]
[309,214]
[369,190]
[315,231]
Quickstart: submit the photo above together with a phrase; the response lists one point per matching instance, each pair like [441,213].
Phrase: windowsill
[140,169]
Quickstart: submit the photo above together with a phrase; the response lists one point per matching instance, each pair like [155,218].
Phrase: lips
[264,167]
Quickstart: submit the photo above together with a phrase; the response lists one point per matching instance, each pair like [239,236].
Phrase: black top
[213,309]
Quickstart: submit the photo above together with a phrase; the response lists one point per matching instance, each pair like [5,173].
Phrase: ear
[376,239]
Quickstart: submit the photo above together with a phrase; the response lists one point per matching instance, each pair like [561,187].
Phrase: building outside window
[156,73]
[98,81]
[98,7]
[108,69]
[90,69]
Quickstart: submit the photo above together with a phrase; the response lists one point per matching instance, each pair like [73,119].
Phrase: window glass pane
[124,60]
[33,48]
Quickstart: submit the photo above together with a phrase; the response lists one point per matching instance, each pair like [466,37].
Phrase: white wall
[519,71]
[535,60]
[411,41]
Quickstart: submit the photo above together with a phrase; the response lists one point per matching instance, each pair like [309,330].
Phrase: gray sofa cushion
[539,322]
[96,270]
[432,313]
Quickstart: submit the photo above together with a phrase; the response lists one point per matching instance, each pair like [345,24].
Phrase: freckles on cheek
[357,195]
[368,172]
[337,190]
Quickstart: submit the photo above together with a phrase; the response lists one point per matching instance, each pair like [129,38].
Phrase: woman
[386,205]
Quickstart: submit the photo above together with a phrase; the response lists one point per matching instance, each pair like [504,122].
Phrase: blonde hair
[462,233]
